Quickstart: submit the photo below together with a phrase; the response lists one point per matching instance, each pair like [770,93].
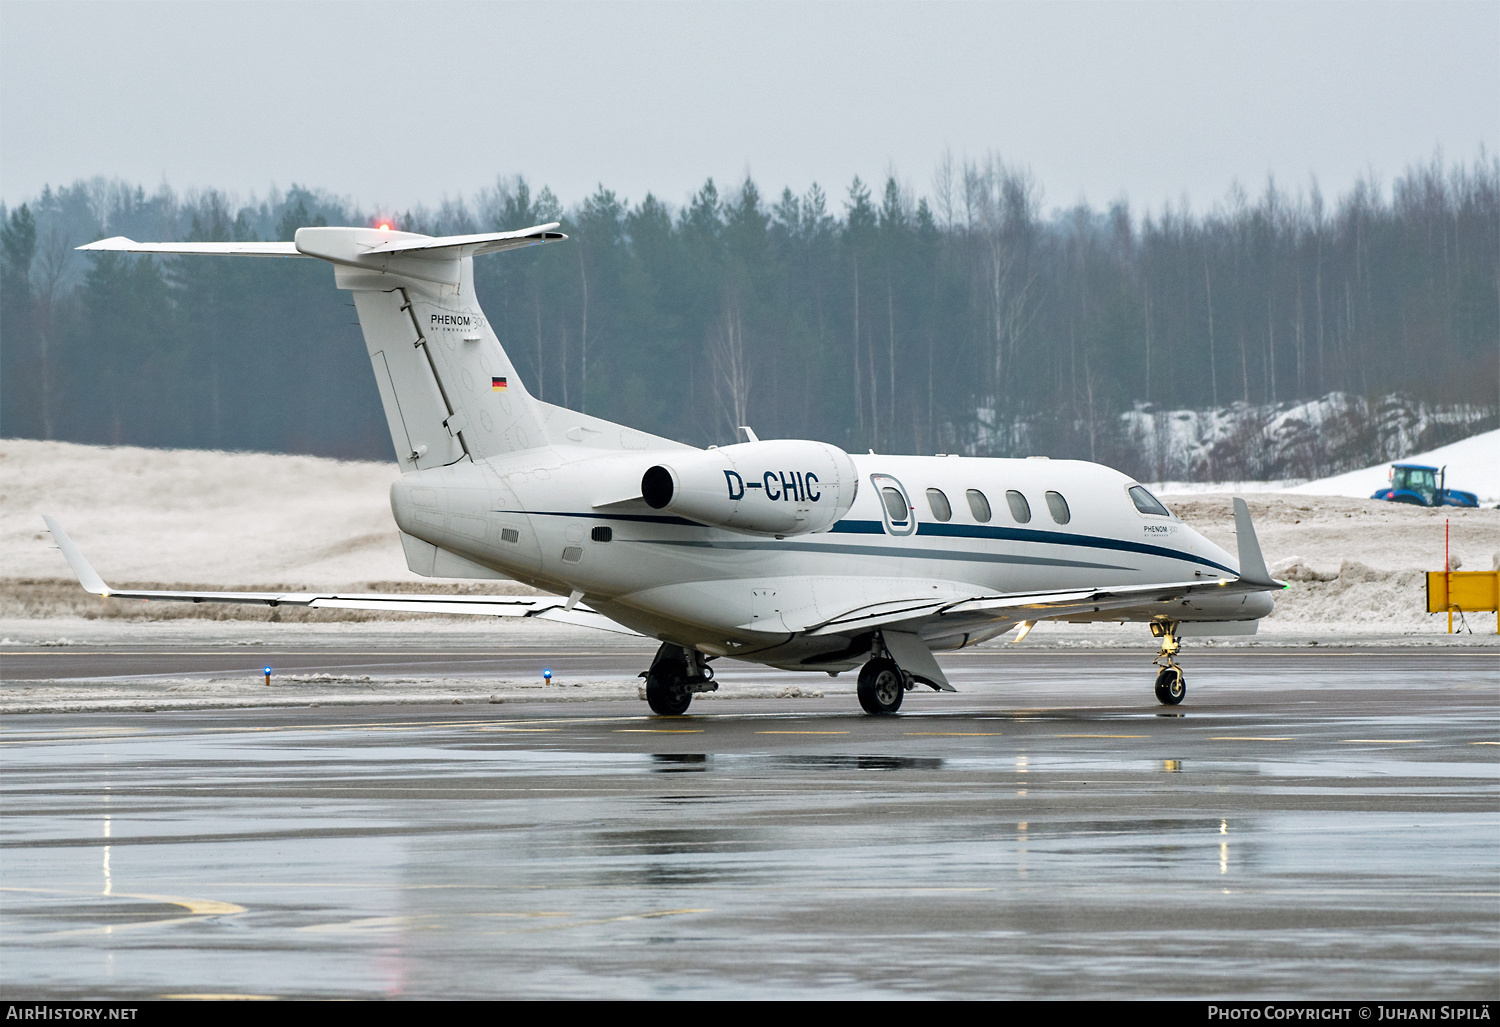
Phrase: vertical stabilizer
[449,390]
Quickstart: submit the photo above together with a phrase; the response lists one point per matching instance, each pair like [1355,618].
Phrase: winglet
[87,576]
[1252,563]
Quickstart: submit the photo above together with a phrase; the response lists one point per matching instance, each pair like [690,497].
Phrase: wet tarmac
[1308,825]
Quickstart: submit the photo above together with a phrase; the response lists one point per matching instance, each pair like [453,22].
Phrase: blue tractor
[1423,486]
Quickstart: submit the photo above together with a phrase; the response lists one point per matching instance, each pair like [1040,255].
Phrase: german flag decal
[497,384]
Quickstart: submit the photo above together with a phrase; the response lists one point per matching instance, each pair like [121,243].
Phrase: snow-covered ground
[196,516]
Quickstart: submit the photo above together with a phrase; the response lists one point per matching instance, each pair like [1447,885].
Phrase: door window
[896,508]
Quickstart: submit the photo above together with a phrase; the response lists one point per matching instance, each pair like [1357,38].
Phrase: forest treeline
[963,320]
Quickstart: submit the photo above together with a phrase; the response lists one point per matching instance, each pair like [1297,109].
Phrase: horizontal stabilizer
[377,249]
[543,607]
[470,245]
[120,244]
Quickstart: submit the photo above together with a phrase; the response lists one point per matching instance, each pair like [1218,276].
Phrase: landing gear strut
[1171,686]
[676,675]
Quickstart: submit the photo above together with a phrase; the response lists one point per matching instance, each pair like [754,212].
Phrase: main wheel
[1170,686]
[881,686]
[664,692]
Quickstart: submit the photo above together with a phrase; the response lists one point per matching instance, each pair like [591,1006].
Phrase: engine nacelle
[777,487]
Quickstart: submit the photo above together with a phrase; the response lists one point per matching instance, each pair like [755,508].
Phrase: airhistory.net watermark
[54,1011]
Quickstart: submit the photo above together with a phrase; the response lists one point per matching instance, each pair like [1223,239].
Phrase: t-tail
[448,388]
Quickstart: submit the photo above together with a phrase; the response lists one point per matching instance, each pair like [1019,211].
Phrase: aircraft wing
[1022,605]
[891,610]
[553,608]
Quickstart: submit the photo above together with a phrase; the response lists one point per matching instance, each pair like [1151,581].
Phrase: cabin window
[978,505]
[1146,503]
[895,505]
[1019,508]
[1058,507]
[941,511]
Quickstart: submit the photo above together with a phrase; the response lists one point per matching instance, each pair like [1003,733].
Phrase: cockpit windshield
[1146,503]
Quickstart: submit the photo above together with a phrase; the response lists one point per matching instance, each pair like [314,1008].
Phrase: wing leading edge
[552,608]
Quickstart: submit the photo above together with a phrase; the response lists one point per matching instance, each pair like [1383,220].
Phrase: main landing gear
[676,675]
[1171,686]
[882,686]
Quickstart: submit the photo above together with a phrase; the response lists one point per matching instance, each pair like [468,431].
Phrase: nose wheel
[1171,685]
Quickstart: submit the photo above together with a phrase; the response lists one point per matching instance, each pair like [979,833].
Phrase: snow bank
[198,516]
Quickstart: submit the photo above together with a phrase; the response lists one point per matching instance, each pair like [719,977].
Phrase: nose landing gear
[675,676]
[1171,685]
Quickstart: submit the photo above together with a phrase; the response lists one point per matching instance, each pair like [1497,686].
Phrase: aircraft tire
[664,692]
[665,697]
[1171,686]
[881,687]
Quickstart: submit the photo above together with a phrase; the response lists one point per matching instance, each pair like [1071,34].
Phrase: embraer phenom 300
[787,552]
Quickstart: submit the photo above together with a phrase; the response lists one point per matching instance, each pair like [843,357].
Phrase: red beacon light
[384,226]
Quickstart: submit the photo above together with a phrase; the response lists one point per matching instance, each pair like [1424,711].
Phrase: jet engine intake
[777,487]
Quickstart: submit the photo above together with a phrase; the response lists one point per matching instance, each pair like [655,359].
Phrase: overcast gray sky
[394,104]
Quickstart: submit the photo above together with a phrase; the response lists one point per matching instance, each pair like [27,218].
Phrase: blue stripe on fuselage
[1056,538]
[981,531]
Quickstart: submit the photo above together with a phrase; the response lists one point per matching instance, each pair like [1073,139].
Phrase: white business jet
[788,553]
